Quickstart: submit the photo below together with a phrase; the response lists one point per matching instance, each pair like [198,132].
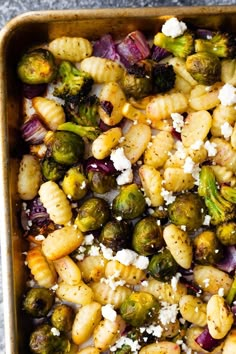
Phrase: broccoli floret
[222,45]
[75,84]
[232,292]
[229,193]
[85,112]
[219,208]
[85,132]
[180,46]
[163,78]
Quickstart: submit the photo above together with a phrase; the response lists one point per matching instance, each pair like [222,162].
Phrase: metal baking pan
[15,38]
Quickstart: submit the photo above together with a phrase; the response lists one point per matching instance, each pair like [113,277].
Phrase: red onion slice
[206,341]
[33,130]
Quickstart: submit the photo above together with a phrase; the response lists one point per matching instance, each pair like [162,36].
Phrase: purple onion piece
[107,106]
[228,263]
[38,214]
[105,48]
[31,91]
[103,126]
[206,341]
[158,53]
[176,135]
[106,166]
[33,131]
[204,33]
[133,48]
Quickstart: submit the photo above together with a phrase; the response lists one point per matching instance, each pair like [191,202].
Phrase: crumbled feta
[88,239]
[167,196]
[39,237]
[54,287]
[207,220]
[180,152]
[168,313]
[119,159]
[121,140]
[83,185]
[107,252]
[112,281]
[141,262]
[173,27]
[188,165]
[156,331]
[109,313]
[94,251]
[119,218]
[227,95]
[183,227]
[221,292]
[148,201]
[134,345]
[226,130]
[175,280]
[126,256]
[55,331]
[178,121]
[144,283]
[196,145]
[125,177]
[206,282]
[211,148]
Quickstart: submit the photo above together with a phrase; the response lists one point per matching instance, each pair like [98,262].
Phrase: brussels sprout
[187,209]
[43,341]
[52,170]
[129,203]
[37,67]
[204,67]
[92,214]
[66,147]
[63,317]
[100,182]
[139,308]
[75,184]
[226,233]
[207,248]
[162,265]
[38,302]
[116,235]
[147,236]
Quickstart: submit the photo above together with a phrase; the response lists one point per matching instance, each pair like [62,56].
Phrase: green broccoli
[181,46]
[229,193]
[222,45]
[163,78]
[219,208]
[75,84]
[85,112]
[85,132]
[232,292]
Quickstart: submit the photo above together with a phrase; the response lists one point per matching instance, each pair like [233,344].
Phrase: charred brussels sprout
[75,184]
[226,233]
[62,317]
[187,210]
[92,214]
[207,248]
[37,67]
[139,308]
[43,341]
[204,67]
[66,148]
[163,78]
[163,266]
[221,44]
[129,203]
[100,182]
[116,235]
[147,236]
[52,170]
[38,302]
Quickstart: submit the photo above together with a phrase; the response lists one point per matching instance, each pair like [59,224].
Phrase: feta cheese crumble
[109,313]
[207,220]
[211,148]
[196,146]
[55,331]
[188,165]
[128,257]
[227,95]
[125,177]
[167,196]
[134,345]
[119,160]
[168,313]
[178,121]
[173,27]
[226,130]
[174,281]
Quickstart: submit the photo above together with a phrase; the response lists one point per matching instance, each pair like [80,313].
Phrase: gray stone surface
[12,8]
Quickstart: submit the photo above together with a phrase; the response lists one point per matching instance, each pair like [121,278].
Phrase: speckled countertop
[12,8]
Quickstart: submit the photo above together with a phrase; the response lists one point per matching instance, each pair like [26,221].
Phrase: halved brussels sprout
[162,265]
[75,184]
[207,248]
[38,302]
[63,317]
[116,235]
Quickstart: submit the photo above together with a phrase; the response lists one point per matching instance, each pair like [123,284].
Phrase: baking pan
[15,38]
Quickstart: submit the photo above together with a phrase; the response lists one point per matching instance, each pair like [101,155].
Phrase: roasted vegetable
[100,182]
[218,207]
[75,184]
[116,235]
[43,341]
[226,233]
[139,308]
[207,248]
[147,236]
[52,171]
[129,203]
[188,210]
[229,193]
[204,67]
[85,112]
[92,214]
[163,78]
[232,292]
[221,44]
[62,317]
[74,83]
[181,46]
[89,132]
[66,148]
[37,67]
[162,265]
[38,302]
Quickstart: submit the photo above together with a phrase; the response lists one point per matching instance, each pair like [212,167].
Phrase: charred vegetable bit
[181,46]
[37,67]
[163,78]
[89,132]
[38,302]
[219,208]
[75,84]
[162,265]
[85,112]
[222,45]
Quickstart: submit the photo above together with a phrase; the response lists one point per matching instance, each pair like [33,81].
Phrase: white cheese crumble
[156,331]
[167,196]
[168,313]
[134,345]
[88,239]
[226,130]
[188,165]
[54,287]
[207,220]
[173,28]
[141,262]
[211,148]
[206,282]
[178,121]
[174,281]
[221,292]
[148,201]
[196,146]
[83,185]
[109,313]
[125,177]
[227,95]
[180,152]
[94,251]
[128,257]
[119,160]
[113,284]
[107,252]
[55,331]
[39,237]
